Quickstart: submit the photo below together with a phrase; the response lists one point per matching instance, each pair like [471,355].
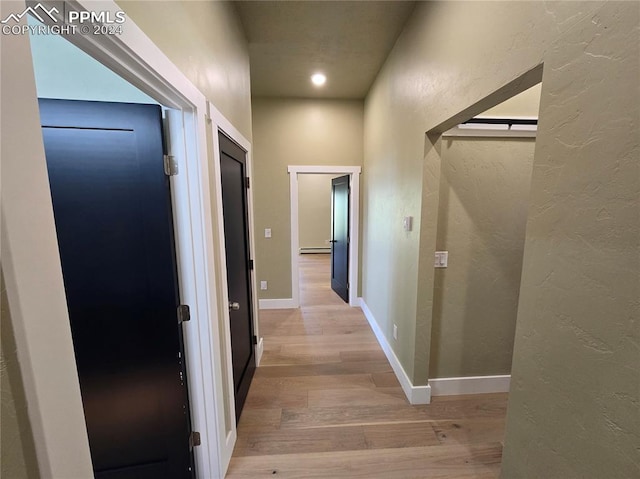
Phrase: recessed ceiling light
[318,79]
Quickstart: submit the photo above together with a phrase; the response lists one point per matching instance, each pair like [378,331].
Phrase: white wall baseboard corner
[415,394]
[286,303]
[470,385]
[259,351]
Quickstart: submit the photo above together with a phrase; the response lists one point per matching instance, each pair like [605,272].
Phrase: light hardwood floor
[326,404]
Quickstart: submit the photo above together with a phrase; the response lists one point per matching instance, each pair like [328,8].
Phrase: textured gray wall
[17,450]
[314,210]
[575,389]
[484,195]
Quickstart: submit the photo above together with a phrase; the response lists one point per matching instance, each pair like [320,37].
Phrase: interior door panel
[340,236]
[112,209]
[236,234]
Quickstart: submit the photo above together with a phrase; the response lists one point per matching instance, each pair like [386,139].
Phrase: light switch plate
[263,285]
[407,223]
[267,232]
[442,259]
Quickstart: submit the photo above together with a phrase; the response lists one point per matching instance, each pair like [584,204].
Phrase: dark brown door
[340,236]
[112,207]
[236,236]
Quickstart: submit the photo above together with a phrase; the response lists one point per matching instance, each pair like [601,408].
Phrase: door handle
[234,306]
[333,241]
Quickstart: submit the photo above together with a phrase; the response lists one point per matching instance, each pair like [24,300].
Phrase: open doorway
[316,231]
[485,177]
[323,260]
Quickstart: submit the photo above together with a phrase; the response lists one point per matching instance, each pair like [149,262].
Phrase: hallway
[325,403]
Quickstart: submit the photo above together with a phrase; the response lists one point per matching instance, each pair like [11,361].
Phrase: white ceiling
[347,40]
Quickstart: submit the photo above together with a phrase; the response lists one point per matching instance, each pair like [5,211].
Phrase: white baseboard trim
[319,250]
[415,394]
[259,351]
[277,304]
[470,385]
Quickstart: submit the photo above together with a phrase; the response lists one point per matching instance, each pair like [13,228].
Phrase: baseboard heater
[323,250]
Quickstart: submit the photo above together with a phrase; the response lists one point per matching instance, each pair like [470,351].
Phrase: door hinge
[184,314]
[170,165]
[248,183]
[251,264]
[255,339]
[194,439]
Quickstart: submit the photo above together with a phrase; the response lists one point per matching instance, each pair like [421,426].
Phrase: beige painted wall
[17,450]
[294,132]
[206,41]
[64,71]
[525,104]
[575,383]
[314,210]
[484,195]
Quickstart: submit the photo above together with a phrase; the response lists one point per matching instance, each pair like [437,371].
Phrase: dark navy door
[236,236]
[112,208]
[340,236]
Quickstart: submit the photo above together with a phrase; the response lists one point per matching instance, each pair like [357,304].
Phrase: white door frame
[354,224]
[134,57]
